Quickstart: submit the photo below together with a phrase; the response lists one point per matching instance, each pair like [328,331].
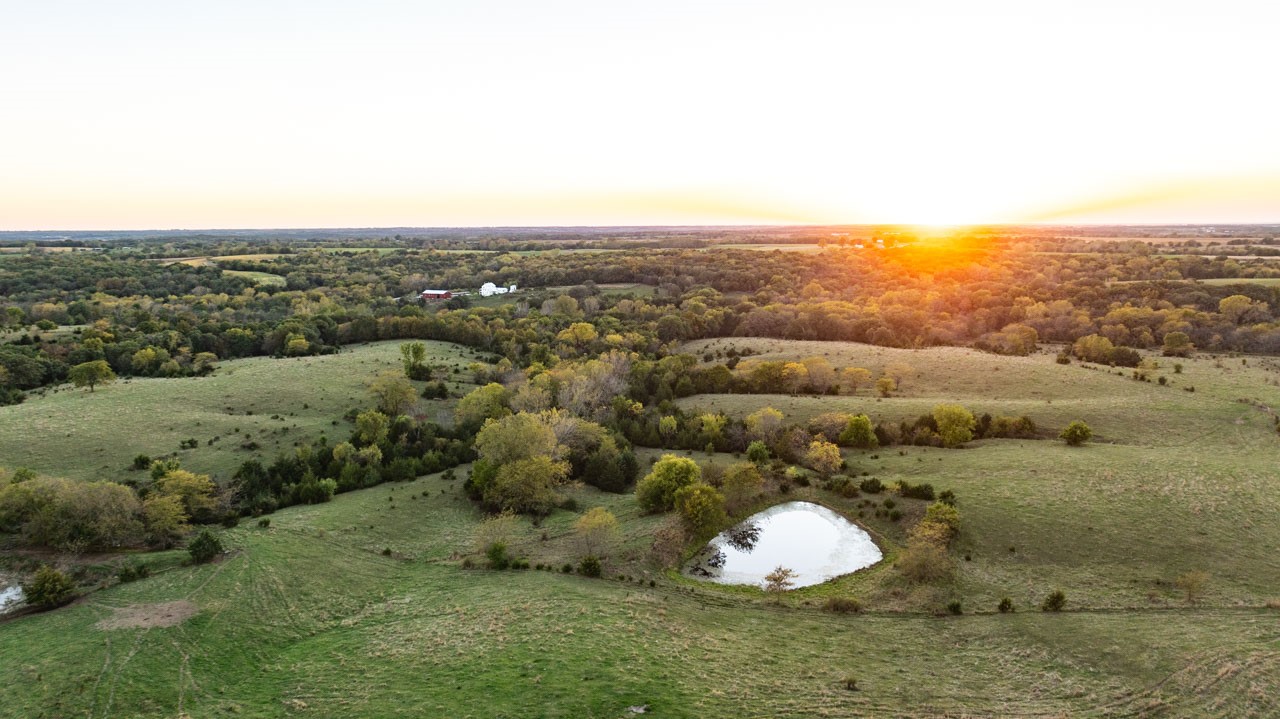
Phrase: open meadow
[268,402]
[362,607]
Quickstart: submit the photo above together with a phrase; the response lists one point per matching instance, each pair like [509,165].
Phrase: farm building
[436,294]
[489,289]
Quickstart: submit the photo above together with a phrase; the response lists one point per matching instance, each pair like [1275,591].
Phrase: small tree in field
[91,374]
[1076,434]
[204,547]
[955,424]
[1054,602]
[1193,584]
[859,433]
[596,529]
[49,588]
[779,580]
[657,490]
[886,386]
[823,457]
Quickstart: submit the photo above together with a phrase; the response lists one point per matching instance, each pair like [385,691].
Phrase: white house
[489,289]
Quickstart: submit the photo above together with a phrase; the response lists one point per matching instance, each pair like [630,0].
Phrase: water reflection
[811,540]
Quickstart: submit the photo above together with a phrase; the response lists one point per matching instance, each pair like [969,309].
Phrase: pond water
[9,597]
[809,539]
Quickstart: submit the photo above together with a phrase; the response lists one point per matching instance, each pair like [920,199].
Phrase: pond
[10,597]
[809,539]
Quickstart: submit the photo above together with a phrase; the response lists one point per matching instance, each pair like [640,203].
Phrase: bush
[133,571]
[871,485]
[1054,602]
[49,588]
[1005,606]
[264,523]
[954,607]
[567,568]
[230,520]
[141,462]
[497,556]
[204,547]
[1076,434]
[850,683]
[915,491]
[590,567]
[656,492]
[842,605]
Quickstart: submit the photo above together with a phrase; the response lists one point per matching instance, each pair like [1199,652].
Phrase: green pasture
[272,402]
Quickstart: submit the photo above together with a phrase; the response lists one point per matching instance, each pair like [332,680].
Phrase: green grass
[308,618]
[82,435]
[261,278]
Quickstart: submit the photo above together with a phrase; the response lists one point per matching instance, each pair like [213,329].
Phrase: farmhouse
[436,295]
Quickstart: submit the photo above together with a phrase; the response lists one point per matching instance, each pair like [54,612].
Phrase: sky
[177,114]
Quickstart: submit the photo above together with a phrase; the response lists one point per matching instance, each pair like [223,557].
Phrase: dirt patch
[145,616]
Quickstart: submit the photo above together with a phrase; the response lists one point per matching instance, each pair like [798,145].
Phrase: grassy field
[1268,281]
[273,402]
[261,278]
[309,618]
[361,607]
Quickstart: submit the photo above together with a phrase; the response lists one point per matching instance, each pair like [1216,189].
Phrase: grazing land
[270,402]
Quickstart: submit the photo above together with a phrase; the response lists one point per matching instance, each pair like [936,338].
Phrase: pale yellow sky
[286,114]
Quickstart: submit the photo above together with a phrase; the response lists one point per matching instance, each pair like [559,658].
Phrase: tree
[91,374]
[414,357]
[740,484]
[49,588]
[859,433]
[578,334]
[854,377]
[900,372]
[765,424]
[823,457]
[955,424]
[204,547]
[165,518]
[758,452]
[779,580]
[1094,348]
[596,529]
[656,491]
[821,374]
[667,427]
[393,392]
[481,404]
[1177,344]
[197,491]
[924,561]
[701,508]
[886,386]
[1193,583]
[516,437]
[527,486]
[1076,433]
[1239,308]
[372,427]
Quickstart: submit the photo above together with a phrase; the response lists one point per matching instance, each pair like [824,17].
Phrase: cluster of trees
[74,516]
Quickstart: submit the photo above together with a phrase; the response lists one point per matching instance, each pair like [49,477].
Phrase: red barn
[436,294]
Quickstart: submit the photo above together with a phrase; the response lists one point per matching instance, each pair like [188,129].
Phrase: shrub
[1076,434]
[895,515]
[264,523]
[871,485]
[656,492]
[757,452]
[230,520]
[590,567]
[567,568]
[954,607]
[842,605]
[1005,606]
[1054,602]
[915,491]
[141,462]
[850,683]
[133,571]
[204,547]
[386,551]
[49,588]
[496,553]
[924,561]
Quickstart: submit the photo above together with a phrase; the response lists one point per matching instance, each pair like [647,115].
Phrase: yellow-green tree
[955,424]
[90,374]
[596,529]
[393,392]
